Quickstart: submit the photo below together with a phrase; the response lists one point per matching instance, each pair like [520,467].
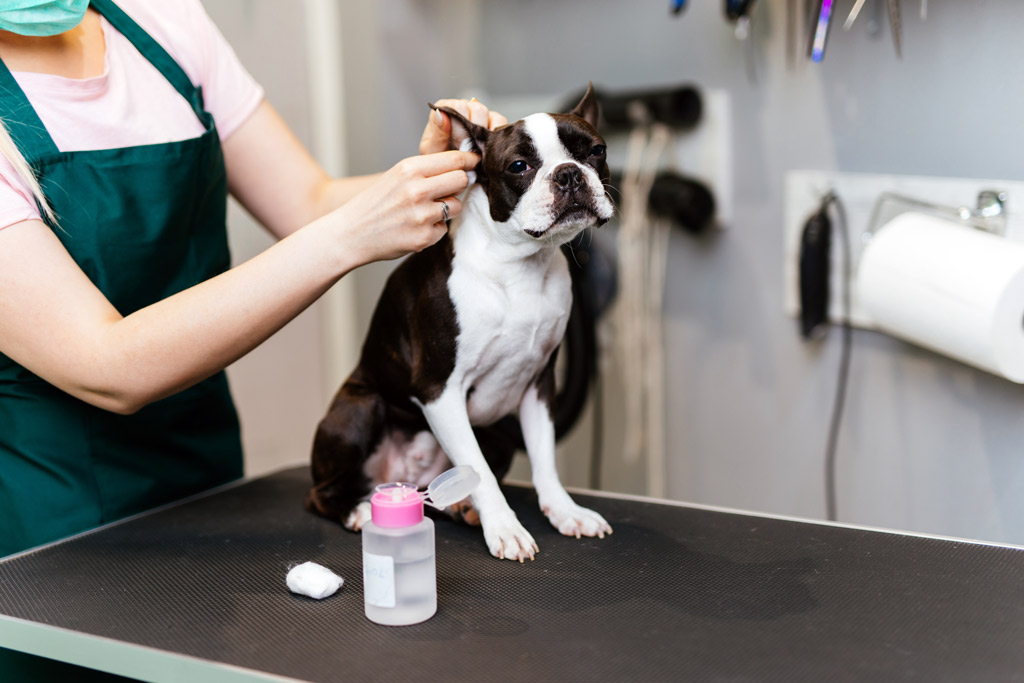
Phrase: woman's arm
[56,323]
[283,187]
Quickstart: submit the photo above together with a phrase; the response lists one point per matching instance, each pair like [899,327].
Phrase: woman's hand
[437,135]
[401,212]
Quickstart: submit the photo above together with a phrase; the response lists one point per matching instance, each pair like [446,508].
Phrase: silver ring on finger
[444,210]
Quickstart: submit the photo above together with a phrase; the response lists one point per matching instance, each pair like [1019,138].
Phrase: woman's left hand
[437,134]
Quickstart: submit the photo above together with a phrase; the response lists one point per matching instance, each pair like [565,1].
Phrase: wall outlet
[858,193]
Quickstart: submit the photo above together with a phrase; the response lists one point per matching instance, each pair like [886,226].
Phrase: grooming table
[195,592]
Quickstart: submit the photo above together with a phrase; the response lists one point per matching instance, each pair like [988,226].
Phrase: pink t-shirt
[131,103]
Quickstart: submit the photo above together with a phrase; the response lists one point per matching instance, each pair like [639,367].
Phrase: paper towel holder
[989,215]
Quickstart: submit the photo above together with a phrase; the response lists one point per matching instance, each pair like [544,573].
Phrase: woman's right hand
[401,212]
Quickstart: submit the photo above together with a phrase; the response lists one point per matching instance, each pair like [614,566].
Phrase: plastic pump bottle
[399,569]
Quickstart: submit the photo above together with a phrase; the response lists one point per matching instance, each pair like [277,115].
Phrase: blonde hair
[25,172]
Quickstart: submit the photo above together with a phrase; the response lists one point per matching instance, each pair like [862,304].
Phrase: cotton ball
[313,580]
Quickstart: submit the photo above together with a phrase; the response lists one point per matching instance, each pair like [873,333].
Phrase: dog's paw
[573,520]
[359,516]
[508,540]
[465,512]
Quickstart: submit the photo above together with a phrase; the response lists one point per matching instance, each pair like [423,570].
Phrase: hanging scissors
[896,26]
[738,12]
[854,13]
[819,32]
[893,6]
[737,9]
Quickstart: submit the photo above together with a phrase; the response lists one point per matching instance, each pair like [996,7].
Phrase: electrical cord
[832,200]
[642,265]
[579,352]
[597,434]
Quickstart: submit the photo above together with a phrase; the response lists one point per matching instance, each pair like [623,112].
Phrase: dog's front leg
[505,536]
[562,511]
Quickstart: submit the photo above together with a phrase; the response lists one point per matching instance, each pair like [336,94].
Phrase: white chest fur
[512,301]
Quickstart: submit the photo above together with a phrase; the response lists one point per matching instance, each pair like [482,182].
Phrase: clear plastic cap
[452,486]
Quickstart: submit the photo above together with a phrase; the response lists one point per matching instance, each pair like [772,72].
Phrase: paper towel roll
[949,288]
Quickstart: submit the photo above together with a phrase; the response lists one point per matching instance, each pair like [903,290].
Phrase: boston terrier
[466,332]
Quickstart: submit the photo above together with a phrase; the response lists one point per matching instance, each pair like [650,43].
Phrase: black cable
[844,361]
[579,353]
[580,350]
[597,434]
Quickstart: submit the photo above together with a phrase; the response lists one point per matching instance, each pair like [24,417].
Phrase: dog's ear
[466,135]
[589,109]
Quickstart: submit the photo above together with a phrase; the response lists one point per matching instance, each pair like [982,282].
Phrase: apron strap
[27,129]
[23,124]
[153,51]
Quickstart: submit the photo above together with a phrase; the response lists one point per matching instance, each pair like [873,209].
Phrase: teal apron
[143,223]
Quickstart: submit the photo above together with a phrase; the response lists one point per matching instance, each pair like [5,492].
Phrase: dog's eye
[518,166]
[597,150]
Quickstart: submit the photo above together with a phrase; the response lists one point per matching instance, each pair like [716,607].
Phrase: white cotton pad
[313,580]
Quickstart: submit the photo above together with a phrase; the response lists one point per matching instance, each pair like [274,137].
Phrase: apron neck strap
[25,126]
[152,51]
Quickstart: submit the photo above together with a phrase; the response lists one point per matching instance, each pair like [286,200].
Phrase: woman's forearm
[187,337]
[57,324]
[172,344]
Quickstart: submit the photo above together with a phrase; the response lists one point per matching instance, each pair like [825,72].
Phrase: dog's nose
[568,177]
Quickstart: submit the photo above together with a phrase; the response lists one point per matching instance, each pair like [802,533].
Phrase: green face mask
[41,17]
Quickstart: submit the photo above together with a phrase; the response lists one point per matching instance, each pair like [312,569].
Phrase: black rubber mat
[676,594]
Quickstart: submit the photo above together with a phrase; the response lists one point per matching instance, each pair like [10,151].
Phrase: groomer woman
[118,311]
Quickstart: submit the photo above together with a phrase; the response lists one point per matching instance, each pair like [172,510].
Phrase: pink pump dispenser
[396,505]
[399,571]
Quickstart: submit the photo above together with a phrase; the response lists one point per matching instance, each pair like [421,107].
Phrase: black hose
[579,349]
[678,106]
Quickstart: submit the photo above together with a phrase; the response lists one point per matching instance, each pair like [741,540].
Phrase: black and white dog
[465,333]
